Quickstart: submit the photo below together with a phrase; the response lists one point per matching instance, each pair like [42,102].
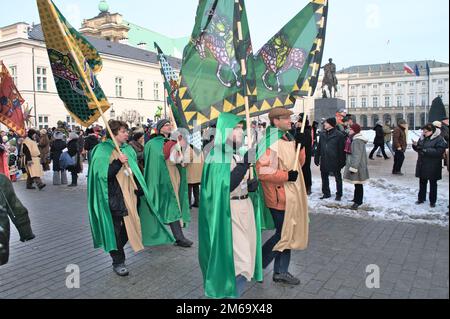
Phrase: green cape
[162,194]
[214,219]
[153,230]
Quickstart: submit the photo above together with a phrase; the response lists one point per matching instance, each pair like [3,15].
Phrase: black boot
[179,236]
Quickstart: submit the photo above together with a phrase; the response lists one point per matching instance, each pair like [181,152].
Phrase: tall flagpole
[88,86]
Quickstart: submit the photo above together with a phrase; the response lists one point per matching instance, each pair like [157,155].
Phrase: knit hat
[73,136]
[437,124]
[161,124]
[356,128]
[331,121]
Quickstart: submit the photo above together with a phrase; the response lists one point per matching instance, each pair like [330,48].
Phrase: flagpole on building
[87,84]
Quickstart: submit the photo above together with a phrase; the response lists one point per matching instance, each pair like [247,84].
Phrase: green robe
[214,219]
[162,194]
[153,230]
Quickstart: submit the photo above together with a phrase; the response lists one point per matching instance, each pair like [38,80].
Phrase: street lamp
[112,113]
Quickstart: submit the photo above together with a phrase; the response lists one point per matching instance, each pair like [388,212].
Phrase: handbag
[65,160]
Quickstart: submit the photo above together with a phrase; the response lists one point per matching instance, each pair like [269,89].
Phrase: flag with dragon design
[288,66]
[63,42]
[213,78]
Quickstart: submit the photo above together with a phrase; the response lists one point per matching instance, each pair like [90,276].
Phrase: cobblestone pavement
[413,258]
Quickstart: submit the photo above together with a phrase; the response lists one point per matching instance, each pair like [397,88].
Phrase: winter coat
[74,152]
[90,142]
[387,131]
[44,148]
[356,170]
[431,150]
[379,135]
[399,139]
[330,153]
[445,133]
[11,208]
[31,152]
[139,149]
[56,148]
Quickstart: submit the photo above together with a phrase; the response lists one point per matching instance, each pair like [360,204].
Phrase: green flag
[212,73]
[74,62]
[288,65]
[170,77]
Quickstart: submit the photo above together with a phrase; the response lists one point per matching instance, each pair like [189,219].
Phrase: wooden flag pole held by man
[86,84]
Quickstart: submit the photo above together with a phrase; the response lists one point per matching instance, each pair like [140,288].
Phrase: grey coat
[356,170]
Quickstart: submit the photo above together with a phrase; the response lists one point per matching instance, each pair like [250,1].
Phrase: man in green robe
[165,175]
[113,196]
[230,220]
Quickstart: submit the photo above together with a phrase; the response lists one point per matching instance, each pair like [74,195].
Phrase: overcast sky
[359,32]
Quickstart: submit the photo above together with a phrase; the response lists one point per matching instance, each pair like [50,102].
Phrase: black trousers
[359,194]
[177,231]
[194,188]
[306,169]
[375,148]
[399,158]
[282,259]
[74,177]
[423,190]
[118,256]
[326,183]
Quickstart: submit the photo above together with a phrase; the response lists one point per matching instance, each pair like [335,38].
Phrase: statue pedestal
[326,108]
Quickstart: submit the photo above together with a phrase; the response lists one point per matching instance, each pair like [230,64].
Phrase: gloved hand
[293,175]
[252,185]
[139,192]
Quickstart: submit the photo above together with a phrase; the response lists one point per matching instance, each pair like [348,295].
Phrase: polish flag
[408,69]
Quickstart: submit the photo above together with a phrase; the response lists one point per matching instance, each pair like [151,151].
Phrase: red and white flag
[408,69]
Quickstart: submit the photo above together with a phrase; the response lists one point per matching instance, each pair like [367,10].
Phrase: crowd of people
[171,175]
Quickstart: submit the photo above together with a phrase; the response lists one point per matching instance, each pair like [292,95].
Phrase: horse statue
[329,79]
[280,58]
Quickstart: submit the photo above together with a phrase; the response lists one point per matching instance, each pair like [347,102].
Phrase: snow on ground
[382,200]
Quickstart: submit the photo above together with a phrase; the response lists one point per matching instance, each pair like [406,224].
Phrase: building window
[440,82]
[399,84]
[424,83]
[353,102]
[412,100]
[118,87]
[43,121]
[41,79]
[71,122]
[140,90]
[387,85]
[399,101]
[411,84]
[156,91]
[375,86]
[364,102]
[13,72]
[424,100]
[387,101]
[375,101]
[363,87]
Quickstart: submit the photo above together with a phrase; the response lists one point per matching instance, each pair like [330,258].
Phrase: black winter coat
[74,151]
[379,136]
[431,151]
[115,195]
[90,142]
[11,208]
[56,148]
[330,153]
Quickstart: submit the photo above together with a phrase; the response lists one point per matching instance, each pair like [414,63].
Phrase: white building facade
[386,92]
[131,77]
